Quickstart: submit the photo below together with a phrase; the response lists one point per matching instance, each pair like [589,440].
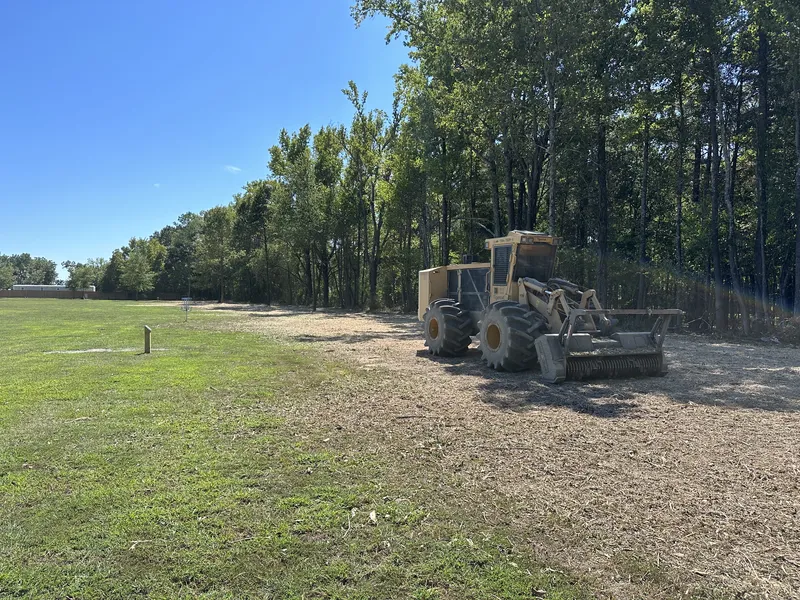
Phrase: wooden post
[147,332]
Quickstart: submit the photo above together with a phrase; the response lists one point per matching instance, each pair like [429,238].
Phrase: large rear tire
[447,328]
[508,335]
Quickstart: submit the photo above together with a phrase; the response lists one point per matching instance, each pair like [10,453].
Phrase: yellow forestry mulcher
[520,313]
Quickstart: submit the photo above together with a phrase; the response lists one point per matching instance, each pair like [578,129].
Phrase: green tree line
[658,139]
[19,269]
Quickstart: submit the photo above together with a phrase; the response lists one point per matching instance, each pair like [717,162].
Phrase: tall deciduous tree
[368,144]
[214,251]
[137,272]
[6,274]
[252,224]
[32,270]
[84,275]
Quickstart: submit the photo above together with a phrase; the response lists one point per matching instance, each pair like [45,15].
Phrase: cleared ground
[687,484]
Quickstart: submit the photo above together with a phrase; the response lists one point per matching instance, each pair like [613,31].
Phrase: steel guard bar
[657,333]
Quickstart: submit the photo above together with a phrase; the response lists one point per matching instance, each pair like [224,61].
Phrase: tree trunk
[375,255]
[325,272]
[495,185]
[642,295]
[680,184]
[444,241]
[705,209]
[602,198]
[509,178]
[373,283]
[221,279]
[719,308]
[359,244]
[762,125]
[472,200]
[582,224]
[730,173]
[289,284]
[797,192]
[551,152]
[314,289]
[696,171]
[365,262]
[534,175]
[341,270]
[309,293]
[521,203]
[424,228]
[444,233]
[317,284]
[266,264]
[410,272]
[786,278]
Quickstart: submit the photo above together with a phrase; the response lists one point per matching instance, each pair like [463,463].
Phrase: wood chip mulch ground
[635,484]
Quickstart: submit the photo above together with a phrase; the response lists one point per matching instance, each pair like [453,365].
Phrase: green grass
[184,473]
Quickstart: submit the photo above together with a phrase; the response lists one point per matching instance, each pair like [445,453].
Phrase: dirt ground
[635,484]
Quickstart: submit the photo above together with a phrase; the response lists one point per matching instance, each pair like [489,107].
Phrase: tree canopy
[26,269]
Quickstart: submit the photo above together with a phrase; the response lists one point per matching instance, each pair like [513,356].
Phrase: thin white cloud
[232,169]
[156,185]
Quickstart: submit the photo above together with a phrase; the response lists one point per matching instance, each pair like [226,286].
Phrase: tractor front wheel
[447,328]
[508,333]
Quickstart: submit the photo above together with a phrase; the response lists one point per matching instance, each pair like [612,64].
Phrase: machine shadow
[521,392]
[701,372]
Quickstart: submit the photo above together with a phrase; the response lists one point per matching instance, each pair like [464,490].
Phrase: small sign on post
[187,306]
[147,332]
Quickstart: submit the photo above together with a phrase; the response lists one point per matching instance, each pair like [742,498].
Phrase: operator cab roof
[522,237]
[524,232]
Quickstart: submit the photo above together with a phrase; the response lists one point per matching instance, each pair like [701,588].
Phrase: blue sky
[116,117]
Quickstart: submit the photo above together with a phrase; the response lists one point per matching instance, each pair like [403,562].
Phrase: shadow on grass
[404,327]
[262,310]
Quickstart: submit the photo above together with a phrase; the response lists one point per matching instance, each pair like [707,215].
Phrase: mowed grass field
[185,473]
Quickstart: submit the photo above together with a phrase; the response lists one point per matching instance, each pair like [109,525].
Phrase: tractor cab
[520,254]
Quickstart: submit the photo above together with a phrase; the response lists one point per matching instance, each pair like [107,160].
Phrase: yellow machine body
[521,313]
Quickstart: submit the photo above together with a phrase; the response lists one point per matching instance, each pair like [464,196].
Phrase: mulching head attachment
[577,356]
